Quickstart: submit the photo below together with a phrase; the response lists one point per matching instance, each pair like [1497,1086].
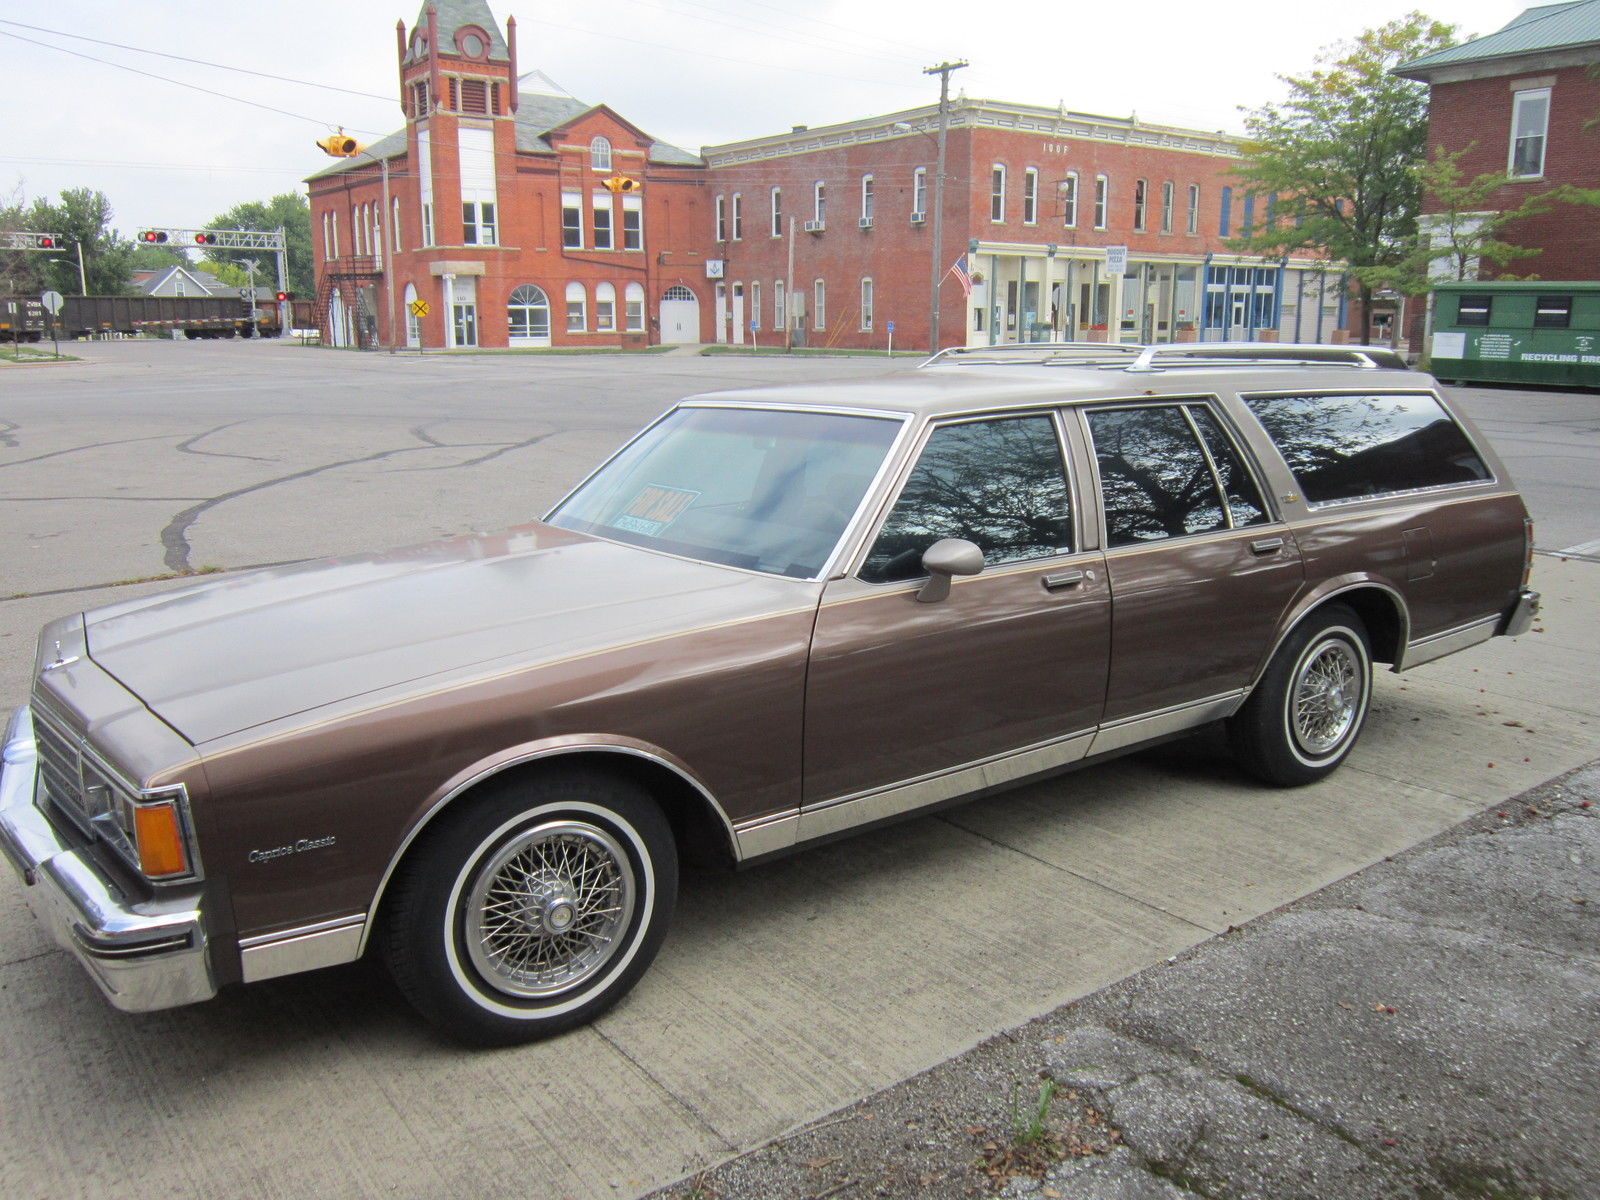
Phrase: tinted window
[1154,477]
[1000,484]
[1347,447]
[766,490]
[1244,497]
[1474,310]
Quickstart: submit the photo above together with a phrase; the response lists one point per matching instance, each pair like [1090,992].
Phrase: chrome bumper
[144,955]
[1520,619]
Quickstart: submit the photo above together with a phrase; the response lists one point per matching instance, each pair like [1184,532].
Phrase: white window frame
[1102,200]
[600,154]
[483,218]
[577,294]
[1518,99]
[603,221]
[866,304]
[1193,225]
[778,306]
[737,216]
[633,308]
[721,219]
[1069,200]
[1030,196]
[1168,198]
[605,308]
[755,304]
[919,192]
[997,193]
[1141,204]
[866,198]
[776,202]
[819,202]
[819,299]
[394,223]
[572,202]
[633,223]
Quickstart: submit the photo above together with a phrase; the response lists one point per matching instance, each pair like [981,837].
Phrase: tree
[289,210]
[1463,230]
[1337,160]
[82,218]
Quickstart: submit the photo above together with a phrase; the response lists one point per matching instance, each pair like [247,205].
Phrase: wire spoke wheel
[548,909]
[1326,696]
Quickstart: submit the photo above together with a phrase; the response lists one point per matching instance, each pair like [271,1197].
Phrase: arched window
[605,308]
[678,292]
[600,155]
[577,308]
[528,315]
[633,308]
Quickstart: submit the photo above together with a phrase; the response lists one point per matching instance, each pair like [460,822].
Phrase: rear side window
[1343,448]
[1169,471]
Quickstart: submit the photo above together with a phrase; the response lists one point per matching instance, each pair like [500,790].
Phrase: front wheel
[533,909]
[1308,707]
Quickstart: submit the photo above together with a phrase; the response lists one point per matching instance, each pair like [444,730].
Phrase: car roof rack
[1121,356]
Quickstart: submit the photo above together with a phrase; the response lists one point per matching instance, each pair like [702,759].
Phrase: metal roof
[453,14]
[1549,27]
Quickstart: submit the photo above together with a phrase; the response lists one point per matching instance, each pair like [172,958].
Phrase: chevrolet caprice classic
[773,617]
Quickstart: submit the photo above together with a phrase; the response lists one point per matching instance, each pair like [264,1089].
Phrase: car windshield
[763,489]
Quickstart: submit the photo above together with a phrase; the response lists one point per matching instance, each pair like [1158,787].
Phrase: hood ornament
[59,661]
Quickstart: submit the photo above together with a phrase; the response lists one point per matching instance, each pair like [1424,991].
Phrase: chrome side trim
[767,835]
[1129,731]
[325,944]
[877,804]
[1437,645]
[1307,607]
[566,749]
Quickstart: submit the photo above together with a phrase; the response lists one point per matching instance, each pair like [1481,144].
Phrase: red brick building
[830,232]
[506,213]
[1521,101]
[516,214]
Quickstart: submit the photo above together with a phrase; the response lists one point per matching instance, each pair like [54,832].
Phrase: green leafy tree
[289,210]
[82,217]
[1338,158]
[1463,232]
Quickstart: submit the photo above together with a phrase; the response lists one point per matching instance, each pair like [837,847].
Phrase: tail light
[1527,550]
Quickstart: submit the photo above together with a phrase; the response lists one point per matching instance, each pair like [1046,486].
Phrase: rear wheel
[1308,707]
[532,910]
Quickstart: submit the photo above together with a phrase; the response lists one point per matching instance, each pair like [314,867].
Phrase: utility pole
[936,273]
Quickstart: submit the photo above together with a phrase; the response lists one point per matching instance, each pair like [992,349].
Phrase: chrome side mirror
[947,557]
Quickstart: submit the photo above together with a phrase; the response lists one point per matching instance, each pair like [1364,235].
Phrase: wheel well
[1380,613]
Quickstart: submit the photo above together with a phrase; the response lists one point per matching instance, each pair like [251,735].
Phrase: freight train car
[24,319]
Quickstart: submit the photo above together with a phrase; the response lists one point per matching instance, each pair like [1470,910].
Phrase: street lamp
[83,284]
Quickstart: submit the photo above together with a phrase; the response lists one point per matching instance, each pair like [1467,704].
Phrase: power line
[196,61]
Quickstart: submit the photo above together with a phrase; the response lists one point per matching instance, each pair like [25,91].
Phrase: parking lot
[782,992]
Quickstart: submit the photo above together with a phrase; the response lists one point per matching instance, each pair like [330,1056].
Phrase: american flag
[959,270]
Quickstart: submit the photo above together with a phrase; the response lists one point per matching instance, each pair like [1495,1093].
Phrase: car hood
[232,653]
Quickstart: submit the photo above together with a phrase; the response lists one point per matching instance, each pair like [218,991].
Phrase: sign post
[890,350]
[419,309]
[52,302]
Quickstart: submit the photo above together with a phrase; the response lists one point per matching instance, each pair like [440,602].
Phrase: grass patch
[17,352]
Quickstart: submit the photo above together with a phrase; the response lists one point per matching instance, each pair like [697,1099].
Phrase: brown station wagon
[773,617]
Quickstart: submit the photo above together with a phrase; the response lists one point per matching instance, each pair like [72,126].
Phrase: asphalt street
[782,993]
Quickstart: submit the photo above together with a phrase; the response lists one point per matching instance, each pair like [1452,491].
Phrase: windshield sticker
[654,508]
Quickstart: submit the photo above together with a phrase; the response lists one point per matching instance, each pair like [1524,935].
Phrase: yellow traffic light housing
[340,145]
[621,183]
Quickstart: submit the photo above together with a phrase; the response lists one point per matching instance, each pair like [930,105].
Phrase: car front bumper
[144,954]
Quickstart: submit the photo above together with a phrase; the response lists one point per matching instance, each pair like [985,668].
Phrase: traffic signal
[282,296]
[153,235]
[340,145]
[46,242]
[621,183]
[204,239]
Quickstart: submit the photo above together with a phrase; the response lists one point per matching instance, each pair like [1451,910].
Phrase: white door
[720,307]
[737,329]
[680,318]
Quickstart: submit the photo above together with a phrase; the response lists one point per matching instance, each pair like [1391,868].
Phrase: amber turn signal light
[158,837]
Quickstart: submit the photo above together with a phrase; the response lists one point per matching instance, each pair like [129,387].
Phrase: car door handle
[1063,579]
[1266,546]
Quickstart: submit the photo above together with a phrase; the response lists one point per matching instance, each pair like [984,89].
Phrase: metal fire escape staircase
[348,276]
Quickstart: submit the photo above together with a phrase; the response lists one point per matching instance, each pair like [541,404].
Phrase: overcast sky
[691,72]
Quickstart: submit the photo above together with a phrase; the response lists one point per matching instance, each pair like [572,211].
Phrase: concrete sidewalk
[1424,1030]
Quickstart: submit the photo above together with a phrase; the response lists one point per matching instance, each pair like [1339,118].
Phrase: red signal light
[153,235]
[47,243]
[283,296]
[204,239]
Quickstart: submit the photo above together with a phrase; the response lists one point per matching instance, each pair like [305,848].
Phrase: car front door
[908,702]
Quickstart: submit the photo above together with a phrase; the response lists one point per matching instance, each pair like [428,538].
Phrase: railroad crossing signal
[419,308]
[153,235]
[282,296]
[17,240]
[204,239]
